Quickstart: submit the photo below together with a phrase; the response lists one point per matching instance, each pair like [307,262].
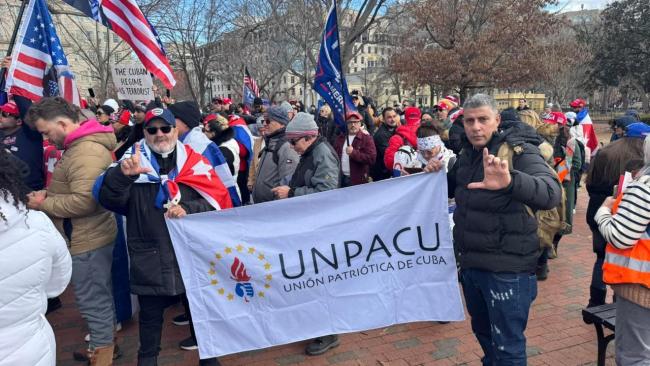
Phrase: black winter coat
[456,136]
[378,171]
[493,231]
[154,269]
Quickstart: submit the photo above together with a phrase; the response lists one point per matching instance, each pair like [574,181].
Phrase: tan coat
[70,204]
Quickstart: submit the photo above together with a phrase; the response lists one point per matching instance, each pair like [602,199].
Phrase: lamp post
[210,80]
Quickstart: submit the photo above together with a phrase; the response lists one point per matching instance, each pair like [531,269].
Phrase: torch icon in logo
[243,288]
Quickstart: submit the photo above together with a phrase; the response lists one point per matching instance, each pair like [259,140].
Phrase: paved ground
[556,333]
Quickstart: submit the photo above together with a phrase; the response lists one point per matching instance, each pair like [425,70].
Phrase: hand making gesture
[131,166]
[496,174]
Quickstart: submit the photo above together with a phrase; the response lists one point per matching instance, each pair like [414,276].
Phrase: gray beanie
[286,106]
[302,124]
[278,115]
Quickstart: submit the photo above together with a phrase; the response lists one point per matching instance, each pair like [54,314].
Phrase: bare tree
[96,45]
[187,27]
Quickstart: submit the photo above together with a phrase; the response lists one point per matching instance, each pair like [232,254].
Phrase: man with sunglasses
[278,161]
[317,171]
[319,166]
[24,143]
[130,189]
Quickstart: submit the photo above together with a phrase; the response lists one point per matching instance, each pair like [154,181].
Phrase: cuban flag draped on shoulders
[204,146]
[244,138]
[329,82]
[587,132]
[192,169]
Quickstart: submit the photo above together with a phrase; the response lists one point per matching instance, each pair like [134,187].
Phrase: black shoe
[188,344]
[181,320]
[53,304]
[320,345]
[542,272]
[441,322]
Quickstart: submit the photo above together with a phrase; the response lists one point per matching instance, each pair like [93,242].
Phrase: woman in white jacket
[34,264]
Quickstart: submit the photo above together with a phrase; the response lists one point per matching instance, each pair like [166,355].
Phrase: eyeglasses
[267,122]
[353,122]
[293,142]
[154,130]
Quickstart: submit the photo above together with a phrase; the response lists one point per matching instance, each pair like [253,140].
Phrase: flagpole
[345,106]
[12,41]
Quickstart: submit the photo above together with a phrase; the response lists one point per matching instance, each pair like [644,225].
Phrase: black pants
[242,183]
[152,310]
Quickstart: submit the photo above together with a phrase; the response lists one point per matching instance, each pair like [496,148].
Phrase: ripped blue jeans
[498,304]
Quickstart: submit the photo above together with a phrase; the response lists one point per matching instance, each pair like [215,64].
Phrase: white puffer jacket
[34,264]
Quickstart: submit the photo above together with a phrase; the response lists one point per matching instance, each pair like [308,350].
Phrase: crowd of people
[513,181]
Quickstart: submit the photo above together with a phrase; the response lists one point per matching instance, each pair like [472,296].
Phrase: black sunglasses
[293,142]
[6,114]
[154,130]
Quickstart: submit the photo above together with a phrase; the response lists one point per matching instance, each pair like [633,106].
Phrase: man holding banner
[494,233]
[160,169]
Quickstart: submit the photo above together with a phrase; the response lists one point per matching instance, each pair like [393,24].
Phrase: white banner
[335,262]
[132,82]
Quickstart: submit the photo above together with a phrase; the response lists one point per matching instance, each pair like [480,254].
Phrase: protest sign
[133,82]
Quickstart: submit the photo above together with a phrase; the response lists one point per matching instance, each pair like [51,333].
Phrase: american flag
[251,83]
[38,65]
[125,18]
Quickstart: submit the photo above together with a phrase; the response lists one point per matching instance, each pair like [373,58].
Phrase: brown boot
[101,356]
[82,354]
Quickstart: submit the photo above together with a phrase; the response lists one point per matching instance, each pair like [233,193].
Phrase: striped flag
[125,18]
[251,83]
[38,65]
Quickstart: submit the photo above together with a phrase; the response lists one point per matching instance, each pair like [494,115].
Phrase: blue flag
[329,82]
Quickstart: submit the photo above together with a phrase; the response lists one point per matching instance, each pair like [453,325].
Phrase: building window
[228,87]
[362,60]
[293,79]
[285,79]
[293,91]
[355,60]
[116,38]
[355,69]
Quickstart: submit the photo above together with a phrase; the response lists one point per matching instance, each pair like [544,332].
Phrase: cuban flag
[244,139]
[201,144]
[192,170]
[39,68]
[587,131]
[329,82]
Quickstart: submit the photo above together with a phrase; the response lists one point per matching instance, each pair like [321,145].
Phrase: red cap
[11,108]
[227,101]
[209,118]
[125,117]
[578,103]
[353,115]
[412,115]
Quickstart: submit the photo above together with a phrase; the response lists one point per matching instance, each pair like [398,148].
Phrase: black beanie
[188,112]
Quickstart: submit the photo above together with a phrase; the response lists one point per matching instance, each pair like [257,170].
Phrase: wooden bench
[599,316]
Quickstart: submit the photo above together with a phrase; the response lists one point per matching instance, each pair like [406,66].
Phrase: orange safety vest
[628,265]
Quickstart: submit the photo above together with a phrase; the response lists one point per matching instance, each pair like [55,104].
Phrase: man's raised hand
[496,174]
[131,166]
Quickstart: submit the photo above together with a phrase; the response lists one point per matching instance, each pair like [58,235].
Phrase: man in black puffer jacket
[494,235]
[155,276]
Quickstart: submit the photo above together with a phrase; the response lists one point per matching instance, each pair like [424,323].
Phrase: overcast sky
[570,5]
